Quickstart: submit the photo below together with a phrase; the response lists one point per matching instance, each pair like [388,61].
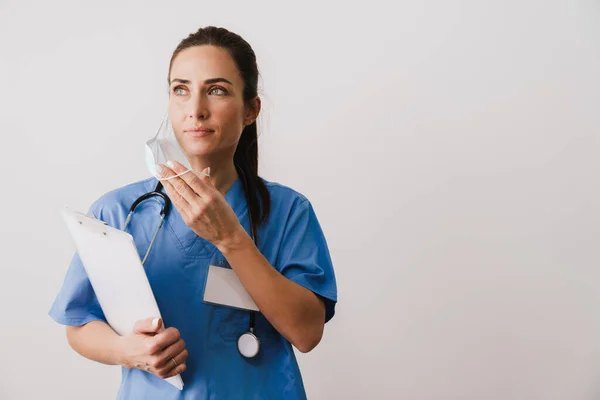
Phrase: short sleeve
[304,256]
[76,303]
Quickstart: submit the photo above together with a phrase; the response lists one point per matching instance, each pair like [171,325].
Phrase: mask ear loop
[178,175]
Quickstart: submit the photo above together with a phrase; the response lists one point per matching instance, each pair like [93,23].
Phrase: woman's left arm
[296,312]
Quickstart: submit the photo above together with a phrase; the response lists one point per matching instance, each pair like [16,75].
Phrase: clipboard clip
[82,216]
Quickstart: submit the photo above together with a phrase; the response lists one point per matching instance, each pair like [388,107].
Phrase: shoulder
[120,198]
[288,204]
[282,194]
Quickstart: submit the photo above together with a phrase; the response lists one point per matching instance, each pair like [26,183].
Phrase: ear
[252,110]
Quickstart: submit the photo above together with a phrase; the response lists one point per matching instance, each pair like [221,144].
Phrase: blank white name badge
[224,287]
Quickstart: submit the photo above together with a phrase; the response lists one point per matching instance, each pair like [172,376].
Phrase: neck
[222,171]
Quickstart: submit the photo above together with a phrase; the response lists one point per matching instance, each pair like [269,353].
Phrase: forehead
[199,63]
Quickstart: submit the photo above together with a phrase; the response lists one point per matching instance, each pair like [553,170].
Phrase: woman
[213,106]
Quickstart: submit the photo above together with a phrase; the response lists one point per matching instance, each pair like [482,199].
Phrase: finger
[188,184]
[165,339]
[180,369]
[178,185]
[149,325]
[207,178]
[165,172]
[174,364]
[170,354]
[199,184]
[178,200]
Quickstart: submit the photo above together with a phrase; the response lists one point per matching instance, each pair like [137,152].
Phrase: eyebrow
[206,82]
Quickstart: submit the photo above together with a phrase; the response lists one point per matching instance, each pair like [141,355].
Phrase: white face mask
[164,147]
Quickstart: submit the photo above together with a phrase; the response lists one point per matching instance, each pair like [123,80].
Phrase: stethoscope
[248,343]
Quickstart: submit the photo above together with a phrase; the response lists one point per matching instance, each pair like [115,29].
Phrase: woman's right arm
[148,348]
[96,341]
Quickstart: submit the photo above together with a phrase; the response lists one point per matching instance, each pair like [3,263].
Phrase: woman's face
[206,103]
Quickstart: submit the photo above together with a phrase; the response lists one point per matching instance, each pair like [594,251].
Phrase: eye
[219,91]
[179,91]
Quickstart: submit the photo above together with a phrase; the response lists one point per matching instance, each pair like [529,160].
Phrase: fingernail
[159,169]
[155,322]
[170,164]
[208,171]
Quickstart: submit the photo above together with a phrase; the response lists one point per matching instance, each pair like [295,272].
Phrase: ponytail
[246,165]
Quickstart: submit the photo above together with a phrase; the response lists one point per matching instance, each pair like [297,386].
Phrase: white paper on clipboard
[116,273]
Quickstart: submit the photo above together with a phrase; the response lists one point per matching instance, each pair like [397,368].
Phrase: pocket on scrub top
[229,323]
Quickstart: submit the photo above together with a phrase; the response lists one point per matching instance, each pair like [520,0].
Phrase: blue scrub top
[291,239]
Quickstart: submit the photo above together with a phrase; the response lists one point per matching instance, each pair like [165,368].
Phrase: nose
[198,107]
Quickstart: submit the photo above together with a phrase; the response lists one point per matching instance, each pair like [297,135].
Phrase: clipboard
[112,263]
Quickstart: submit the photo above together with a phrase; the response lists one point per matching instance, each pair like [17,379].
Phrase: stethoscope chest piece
[248,345]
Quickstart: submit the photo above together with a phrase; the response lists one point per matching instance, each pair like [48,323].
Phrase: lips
[198,132]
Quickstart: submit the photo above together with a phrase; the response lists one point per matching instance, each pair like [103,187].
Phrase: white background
[450,148]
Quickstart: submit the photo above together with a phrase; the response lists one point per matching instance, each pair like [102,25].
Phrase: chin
[197,151]
[196,148]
